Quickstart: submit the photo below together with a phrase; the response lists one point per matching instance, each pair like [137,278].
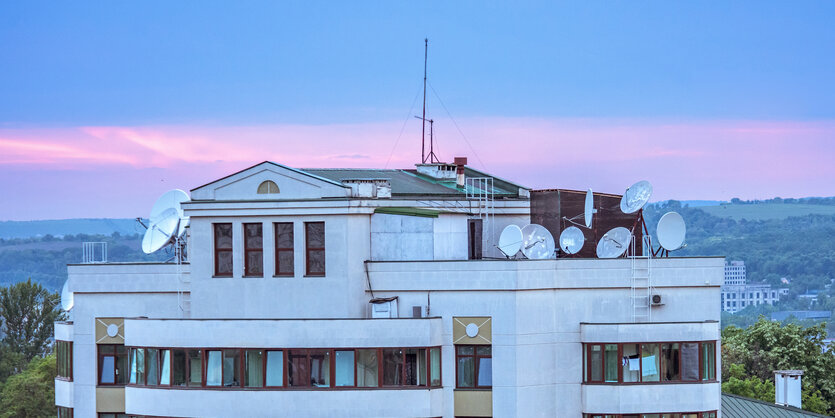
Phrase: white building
[271,315]
[737,293]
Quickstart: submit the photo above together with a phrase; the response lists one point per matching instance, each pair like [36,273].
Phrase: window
[113,364]
[63,354]
[223,250]
[308,368]
[137,366]
[474,366]
[284,249]
[343,368]
[367,368]
[64,412]
[253,369]
[268,187]
[253,250]
[275,368]
[435,366]
[314,233]
[649,362]
[188,368]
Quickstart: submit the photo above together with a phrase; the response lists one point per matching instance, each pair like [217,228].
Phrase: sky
[106,105]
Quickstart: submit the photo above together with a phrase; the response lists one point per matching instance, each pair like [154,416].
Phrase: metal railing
[93,252]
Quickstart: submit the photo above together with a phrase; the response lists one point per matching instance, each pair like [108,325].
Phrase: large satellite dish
[635,197]
[510,241]
[172,199]
[161,230]
[537,242]
[589,209]
[614,243]
[571,240]
[671,231]
[67,301]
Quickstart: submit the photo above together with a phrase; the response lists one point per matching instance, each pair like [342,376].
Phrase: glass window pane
[275,368]
[485,371]
[392,366]
[122,365]
[631,363]
[465,349]
[253,362]
[650,363]
[285,263]
[165,367]
[670,362]
[596,362]
[484,350]
[315,234]
[107,371]
[316,262]
[195,368]
[231,368]
[466,372]
[611,363]
[709,361]
[224,262]
[320,370]
[344,373]
[415,366]
[284,235]
[253,237]
[179,363]
[223,236]
[213,368]
[435,370]
[254,263]
[298,372]
[152,366]
[690,361]
[367,368]
[107,349]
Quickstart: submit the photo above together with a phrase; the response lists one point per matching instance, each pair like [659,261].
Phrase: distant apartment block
[737,293]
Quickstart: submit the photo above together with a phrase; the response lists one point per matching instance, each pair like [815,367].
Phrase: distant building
[814,315]
[737,293]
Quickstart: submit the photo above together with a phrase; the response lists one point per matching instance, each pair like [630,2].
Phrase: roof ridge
[774,405]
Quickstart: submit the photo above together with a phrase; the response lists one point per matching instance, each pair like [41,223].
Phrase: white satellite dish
[614,243]
[67,300]
[635,197]
[671,231]
[510,241]
[572,240]
[537,242]
[161,230]
[589,210]
[172,199]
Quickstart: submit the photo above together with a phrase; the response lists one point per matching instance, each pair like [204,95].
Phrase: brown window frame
[218,250]
[308,249]
[100,360]
[64,412]
[704,414]
[69,360]
[587,363]
[476,360]
[280,250]
[248,250]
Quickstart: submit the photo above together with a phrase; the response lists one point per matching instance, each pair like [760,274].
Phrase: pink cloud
[130,166]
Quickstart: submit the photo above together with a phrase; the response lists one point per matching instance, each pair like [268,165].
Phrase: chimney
[787,387]
[460,162]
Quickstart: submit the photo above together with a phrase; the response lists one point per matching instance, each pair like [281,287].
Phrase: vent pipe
[460,162]
[787,387]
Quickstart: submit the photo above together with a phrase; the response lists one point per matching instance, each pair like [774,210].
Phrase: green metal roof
[735,406]
[393,210]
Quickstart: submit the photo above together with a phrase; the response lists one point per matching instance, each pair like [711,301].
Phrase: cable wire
[457,127]
[402,128]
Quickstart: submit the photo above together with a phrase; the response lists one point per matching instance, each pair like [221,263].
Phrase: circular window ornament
[472,330]
[112,330]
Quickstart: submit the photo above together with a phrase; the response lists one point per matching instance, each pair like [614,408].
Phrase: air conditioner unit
[383,308]
[656,300]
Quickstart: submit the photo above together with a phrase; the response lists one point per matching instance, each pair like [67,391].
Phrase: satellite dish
[172,199]
[614,243]
[589,210]
[671,231]
[537,242]
[635,197]
[571,240]
[161,230]
[510,241]
[67,300]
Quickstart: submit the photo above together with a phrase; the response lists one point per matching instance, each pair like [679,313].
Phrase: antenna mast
[423,118]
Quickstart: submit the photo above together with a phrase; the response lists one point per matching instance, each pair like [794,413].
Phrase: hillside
[61,227]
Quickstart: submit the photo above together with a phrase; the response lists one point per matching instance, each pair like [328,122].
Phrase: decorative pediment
[270,181]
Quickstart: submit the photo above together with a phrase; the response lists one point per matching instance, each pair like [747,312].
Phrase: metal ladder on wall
[480,191]
[183,283]
[641,282]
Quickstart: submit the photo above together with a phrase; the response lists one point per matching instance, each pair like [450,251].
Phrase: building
[737,293]
[380,293]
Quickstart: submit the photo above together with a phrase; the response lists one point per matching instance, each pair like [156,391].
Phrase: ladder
[641,282]
[480,191]
[183,282]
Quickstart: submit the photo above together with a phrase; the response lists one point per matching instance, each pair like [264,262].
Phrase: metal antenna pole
[423,129]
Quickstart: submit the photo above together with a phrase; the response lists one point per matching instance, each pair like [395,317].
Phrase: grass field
[762,211]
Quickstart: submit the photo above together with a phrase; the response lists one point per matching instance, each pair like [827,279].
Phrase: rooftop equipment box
[548,207]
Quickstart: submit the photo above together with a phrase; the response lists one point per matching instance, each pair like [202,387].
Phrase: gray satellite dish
[614,243]
[172,199]
[67,301]
[161,230]
[635,197]
[589,209]
[671,231]
[537,242]
[572,240]
[510,241]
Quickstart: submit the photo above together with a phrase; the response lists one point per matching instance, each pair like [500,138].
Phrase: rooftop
[735,406]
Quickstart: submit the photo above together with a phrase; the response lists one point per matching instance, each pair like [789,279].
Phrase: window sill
[314,275]
[679,382]
[222,277]
[254,277]
[283,276]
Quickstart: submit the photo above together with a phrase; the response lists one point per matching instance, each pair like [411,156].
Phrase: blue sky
[118,101]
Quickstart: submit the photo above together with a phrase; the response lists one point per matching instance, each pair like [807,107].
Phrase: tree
[32,392]
[27,315]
